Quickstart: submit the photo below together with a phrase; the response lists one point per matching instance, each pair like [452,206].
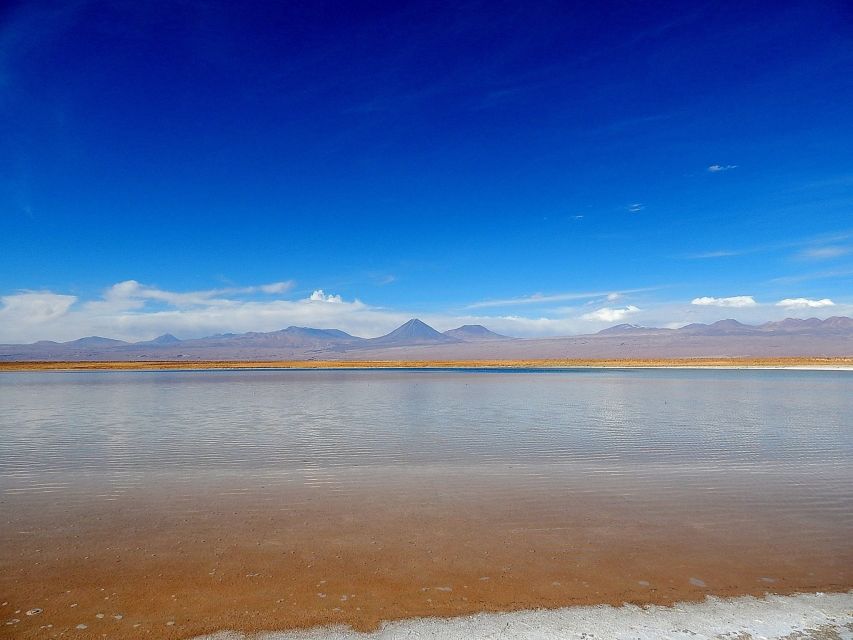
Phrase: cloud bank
[131,310]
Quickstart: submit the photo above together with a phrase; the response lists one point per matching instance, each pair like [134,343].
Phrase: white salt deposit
[806,616]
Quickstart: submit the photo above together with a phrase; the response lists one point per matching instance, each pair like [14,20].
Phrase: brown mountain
[474,333]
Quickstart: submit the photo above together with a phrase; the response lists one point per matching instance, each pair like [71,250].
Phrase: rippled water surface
[611,465]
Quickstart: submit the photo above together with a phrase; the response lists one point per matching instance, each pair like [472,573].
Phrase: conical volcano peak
[414,331]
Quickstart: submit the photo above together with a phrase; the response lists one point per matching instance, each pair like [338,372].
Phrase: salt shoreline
[810,616]
[407,366]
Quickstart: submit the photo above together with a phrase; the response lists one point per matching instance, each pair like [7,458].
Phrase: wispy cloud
[130,294]
[805,303]
[732,301]
[814,275]
[719,168]
[823,253]
[636,207]
[539,298]
[275,287]
[722,253]
[815,245]
[536,298]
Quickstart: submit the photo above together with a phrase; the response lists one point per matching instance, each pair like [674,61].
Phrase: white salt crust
[819,616]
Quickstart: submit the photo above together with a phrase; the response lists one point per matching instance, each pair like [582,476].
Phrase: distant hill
[629,329]
[719,328]
[474,333]
[292,337]
[166,338]
[94,341]
[836,325]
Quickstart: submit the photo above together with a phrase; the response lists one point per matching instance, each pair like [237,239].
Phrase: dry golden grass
[424,364]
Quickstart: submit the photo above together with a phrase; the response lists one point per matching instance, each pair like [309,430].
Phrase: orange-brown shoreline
[556,363]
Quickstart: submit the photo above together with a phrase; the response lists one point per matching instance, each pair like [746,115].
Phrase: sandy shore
[845,363]
[804,616]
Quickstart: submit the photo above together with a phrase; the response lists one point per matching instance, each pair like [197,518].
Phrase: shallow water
[273,499]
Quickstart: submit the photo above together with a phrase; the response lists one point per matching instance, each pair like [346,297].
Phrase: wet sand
[181,563]
[835,363]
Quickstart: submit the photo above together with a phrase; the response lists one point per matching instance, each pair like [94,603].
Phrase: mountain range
[417,340]
[837,325]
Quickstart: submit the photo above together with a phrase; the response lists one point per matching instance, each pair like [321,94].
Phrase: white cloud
[717,168]
[636,207]
[610,314]
[320,296]
[805,303]
[733,301]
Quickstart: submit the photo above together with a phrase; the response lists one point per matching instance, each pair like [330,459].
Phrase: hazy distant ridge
[836,325]
[416,339]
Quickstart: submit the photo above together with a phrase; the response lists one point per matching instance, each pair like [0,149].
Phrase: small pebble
[34,612]
[82,626]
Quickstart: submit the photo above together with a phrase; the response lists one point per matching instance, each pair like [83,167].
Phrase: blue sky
[542,168]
